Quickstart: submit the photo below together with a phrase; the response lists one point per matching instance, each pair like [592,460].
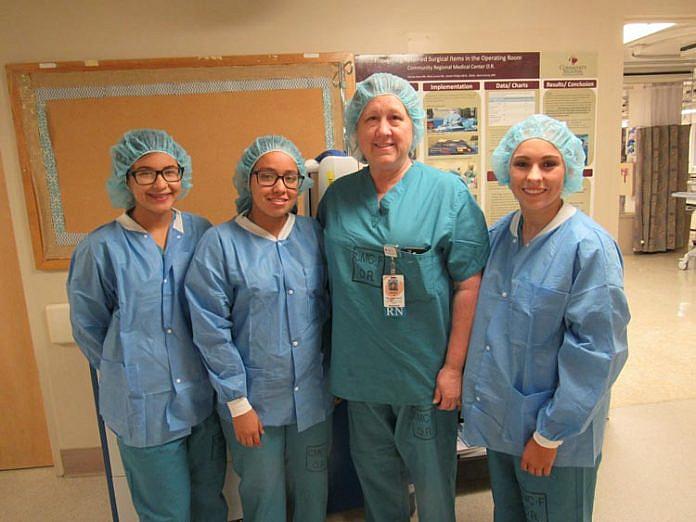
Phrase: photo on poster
[467,169]
[452,126]
[452,119]
[460,146]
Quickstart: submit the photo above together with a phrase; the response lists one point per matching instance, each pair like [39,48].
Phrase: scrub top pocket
[423,275]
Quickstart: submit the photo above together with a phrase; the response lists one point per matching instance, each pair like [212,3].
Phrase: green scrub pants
[567,494]
[289,465]
[182,480]
[390,444]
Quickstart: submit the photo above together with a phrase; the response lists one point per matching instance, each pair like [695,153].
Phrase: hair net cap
[549,129]
[134,145]
[252,154]
[380,84]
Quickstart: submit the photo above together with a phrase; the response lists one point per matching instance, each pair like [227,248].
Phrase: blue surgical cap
[380,84]
[253,153]
[134,145]
[546,128]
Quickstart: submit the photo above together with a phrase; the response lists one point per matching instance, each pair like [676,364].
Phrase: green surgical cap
[134,145]
[252,154]
[380,84]
[548,129]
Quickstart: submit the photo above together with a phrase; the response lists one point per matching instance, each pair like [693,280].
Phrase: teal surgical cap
[253,153]
[134,145]
[380,84]
[546,128]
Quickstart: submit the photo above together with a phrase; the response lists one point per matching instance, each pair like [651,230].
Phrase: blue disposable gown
[549,339]
[130,319]
[258,307]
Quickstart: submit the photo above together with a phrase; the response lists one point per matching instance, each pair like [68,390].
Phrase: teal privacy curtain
[662,159]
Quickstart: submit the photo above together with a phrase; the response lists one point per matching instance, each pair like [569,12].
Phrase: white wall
[37,31]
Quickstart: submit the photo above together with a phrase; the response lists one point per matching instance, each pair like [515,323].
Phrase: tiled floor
[662,333]
[648,472]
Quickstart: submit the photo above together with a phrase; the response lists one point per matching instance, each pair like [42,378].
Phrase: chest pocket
[139,292]
[316,302]
[536,315]
[181,259]
[264,289]
[423,275]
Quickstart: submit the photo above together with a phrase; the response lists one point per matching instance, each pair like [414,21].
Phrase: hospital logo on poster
[573,67]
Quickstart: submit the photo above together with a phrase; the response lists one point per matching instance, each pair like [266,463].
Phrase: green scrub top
[392,355]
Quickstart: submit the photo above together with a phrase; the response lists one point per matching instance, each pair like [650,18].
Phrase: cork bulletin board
[68,115]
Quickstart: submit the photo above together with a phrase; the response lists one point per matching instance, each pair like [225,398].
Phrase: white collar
[247,224]
[131,224]
[564,214]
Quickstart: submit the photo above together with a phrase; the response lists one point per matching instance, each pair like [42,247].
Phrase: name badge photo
[393,291]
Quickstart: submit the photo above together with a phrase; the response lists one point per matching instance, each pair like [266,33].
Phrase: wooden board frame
[329,74]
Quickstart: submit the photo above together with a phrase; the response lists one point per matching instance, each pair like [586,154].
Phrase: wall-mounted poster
[472,99]
[452,130]
[582,200]
[574,102]
[508,103]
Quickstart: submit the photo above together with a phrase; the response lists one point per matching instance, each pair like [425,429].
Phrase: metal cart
[690,257]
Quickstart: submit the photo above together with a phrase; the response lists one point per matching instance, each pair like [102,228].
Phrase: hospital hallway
[647,471]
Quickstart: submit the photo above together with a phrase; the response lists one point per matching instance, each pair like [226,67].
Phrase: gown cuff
[239,406]
[544,442]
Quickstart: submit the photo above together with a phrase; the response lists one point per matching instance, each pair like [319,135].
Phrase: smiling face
[537,171]
[272,204]
[159,197]
[385,134]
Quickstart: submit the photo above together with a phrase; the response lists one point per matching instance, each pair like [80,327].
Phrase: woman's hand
[248,429]
[448,389]
[537,460]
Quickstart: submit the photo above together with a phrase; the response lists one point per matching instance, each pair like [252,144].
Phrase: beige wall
[33,31]
[663,11]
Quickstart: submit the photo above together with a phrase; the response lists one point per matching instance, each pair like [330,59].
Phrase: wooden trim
[30,198]
[43,260]
[164,63]
[82,461]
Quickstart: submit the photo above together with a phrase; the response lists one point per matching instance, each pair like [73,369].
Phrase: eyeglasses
[269,177]
[149,176]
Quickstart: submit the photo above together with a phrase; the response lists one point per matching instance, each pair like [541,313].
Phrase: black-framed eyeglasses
[269,177]
[147,176]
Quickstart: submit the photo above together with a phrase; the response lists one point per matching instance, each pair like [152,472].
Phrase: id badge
[393,287]
[393,291]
